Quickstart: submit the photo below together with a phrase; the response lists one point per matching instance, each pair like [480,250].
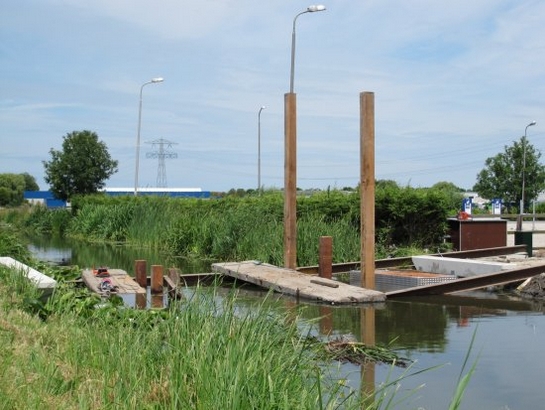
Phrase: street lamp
[524,167]
[310,9]
[259,148]
[290,159]
[152,81]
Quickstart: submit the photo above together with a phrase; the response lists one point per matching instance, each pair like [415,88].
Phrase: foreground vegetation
[251,227]
[76,350]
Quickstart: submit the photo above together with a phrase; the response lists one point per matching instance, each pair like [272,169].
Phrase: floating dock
[300,285]
[120,281]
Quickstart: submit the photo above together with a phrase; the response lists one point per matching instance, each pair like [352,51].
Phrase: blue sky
[454,83]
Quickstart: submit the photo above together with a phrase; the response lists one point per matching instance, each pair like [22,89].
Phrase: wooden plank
[471,283]
[119,278]
[290,282]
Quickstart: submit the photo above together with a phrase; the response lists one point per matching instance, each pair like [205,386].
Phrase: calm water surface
[509,345]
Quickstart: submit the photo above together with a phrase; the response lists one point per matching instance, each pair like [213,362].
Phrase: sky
[453,83]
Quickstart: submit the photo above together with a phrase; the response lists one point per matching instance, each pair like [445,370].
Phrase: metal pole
[138,141]
[524,167]
[259,148]
[310,9]
[153,80]
[292,71]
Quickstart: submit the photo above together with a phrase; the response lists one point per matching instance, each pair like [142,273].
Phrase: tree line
[83,165]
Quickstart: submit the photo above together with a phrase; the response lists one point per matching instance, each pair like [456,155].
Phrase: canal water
[501,334]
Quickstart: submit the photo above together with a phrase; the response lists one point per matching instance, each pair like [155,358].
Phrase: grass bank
[200,354]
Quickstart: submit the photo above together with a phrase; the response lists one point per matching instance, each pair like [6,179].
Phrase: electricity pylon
[161,154]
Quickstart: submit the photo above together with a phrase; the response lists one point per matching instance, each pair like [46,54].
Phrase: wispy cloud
[453,84]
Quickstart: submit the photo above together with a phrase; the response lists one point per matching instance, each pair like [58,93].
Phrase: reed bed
[251,227]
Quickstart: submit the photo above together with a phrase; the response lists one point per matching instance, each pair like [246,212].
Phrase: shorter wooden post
[326,320]
[156,279]
[140,275]
[157,300]
[325,266]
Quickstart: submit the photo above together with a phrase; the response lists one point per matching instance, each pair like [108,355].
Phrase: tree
[11,189]
[30,182]
[82,167]
[503,175]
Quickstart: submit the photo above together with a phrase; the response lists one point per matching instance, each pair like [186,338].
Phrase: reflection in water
[87,255]
[432,331]
[53,250]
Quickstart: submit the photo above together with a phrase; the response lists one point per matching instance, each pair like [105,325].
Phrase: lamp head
[263,107]
[157,80]
[313,8]
[532,123]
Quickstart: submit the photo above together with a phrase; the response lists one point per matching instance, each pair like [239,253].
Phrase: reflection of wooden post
[140,273]
[326,320]
[157,300]
[367,320]
[156,279]
[290,181]
[367,189]
[140,301]
[326,257]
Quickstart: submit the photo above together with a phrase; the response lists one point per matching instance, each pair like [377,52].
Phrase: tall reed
[251,227]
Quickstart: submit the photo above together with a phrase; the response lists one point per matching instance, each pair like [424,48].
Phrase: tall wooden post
[290,181]
[367,189]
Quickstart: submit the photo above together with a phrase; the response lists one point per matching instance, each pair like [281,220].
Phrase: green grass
[200,354]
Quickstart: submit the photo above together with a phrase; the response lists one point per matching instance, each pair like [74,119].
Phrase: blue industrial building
[47,198]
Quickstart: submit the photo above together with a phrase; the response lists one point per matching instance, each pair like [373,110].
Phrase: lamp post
[310,9]
[152,81]
[524,168]
[290,158]
[259,148]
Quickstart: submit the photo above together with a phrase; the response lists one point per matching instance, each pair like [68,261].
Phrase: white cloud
[453,84]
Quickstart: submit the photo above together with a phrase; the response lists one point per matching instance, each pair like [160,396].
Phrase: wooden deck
[125,284]
[300,285]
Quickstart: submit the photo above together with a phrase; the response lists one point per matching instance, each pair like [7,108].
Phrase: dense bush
[251,227]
